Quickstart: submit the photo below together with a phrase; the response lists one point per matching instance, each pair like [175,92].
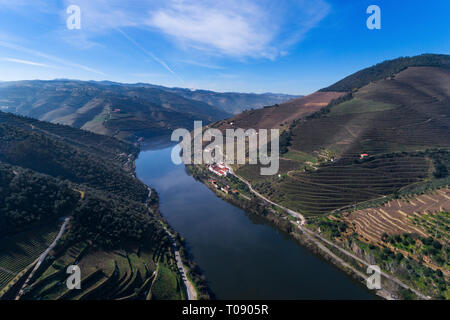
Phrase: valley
[363,180]
[132,112]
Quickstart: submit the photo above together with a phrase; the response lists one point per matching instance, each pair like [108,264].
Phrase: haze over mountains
[232,102]
[124,111]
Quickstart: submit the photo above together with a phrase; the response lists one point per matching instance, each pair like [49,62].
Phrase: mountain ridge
[388,68]
[129,112]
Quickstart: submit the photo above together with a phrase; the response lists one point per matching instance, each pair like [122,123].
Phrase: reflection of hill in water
[157,143]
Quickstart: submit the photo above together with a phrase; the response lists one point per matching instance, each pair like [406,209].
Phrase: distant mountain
[233,102]
[123,111]
[230,102]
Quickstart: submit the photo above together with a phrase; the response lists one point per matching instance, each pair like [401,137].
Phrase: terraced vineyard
[345,182]
[166,286]
[19,251]
[416,215]
[406,236]
[120,274]
[373,132]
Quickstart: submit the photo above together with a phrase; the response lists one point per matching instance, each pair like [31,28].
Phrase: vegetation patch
[357,105]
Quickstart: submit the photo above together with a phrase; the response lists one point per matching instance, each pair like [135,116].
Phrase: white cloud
[103,15]
[61,61]
[232,28]
[236,28]
[150,54]
[240,28]
[27,62]
[201,64]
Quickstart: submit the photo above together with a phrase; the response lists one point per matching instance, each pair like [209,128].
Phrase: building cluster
[227,189]
[220,169]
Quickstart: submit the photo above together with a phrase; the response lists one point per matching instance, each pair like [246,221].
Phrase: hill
[394,121]
[50,172]
[387,69]
[366,161]
[279,115]
[122,111]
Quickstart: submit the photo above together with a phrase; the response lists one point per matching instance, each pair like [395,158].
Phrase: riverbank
[293,225]
[195,286]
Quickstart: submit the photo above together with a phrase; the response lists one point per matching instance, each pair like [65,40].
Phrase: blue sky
[231,45]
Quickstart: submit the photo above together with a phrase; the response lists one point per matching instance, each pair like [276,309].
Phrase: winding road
[313,237]
[190,289]
[43,256]
[292,213]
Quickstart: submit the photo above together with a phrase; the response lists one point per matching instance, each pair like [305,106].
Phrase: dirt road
[190,289]
[43,256]
[292,213]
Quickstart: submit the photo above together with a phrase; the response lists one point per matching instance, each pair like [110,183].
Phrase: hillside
[279,115]
[49,172]
[125,112]
[391,120]
[367,162]
[379,117]
[394,121]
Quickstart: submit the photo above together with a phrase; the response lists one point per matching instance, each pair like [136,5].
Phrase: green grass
[252,172]
[299,156]
[357,105]
[166,286]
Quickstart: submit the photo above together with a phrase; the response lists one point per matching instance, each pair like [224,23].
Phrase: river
[242,256]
